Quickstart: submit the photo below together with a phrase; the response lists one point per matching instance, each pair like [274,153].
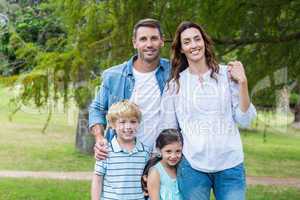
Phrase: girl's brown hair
[179,60]
[167,136]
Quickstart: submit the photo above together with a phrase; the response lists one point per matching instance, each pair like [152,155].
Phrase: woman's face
[192,45]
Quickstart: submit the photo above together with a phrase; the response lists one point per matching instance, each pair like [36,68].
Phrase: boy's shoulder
[148,149]
[114,147]
[142,147]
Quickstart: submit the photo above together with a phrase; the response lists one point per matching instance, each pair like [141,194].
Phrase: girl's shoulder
[156,167]
[156,170]
[162,172]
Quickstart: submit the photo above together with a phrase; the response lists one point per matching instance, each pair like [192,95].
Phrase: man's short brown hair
[153,23]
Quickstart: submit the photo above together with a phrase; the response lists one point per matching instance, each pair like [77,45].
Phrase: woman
[207,101]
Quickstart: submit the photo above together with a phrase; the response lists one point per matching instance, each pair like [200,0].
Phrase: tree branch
[245,41]
[253,40]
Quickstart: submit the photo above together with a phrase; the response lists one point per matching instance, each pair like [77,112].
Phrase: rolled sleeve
[99,106]
[243,119]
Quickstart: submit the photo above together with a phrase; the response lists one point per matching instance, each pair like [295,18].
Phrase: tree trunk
[297,113]
[282,101]
[296,123]
[84,140]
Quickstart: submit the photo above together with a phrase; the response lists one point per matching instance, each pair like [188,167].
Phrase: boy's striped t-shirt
[122,171]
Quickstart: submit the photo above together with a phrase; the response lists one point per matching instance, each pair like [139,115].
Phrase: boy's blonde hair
[123,108]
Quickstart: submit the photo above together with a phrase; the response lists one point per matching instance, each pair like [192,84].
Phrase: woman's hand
[237,72]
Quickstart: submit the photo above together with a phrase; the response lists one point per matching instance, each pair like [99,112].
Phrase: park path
[251,180]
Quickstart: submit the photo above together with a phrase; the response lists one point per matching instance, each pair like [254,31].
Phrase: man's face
[148,42]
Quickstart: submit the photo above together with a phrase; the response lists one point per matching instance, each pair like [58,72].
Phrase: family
[169,130]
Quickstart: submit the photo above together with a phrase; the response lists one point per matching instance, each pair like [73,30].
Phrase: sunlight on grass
[276,155]
[268,152]
[42,189]
[23,146]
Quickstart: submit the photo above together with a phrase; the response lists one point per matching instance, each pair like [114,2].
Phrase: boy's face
[126,128]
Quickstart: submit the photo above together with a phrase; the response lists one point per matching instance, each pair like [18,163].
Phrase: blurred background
[52,54]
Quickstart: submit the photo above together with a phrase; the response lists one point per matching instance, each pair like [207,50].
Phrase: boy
[119,176]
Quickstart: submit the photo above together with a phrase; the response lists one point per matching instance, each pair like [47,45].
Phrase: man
[140,79]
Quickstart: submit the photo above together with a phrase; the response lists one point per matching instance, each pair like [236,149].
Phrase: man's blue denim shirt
[117,84]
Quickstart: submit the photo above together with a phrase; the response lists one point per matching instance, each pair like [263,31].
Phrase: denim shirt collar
[129,69]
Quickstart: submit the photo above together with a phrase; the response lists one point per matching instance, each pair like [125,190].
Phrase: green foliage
[32,29]
[72,41]
[294,99]
[265,98]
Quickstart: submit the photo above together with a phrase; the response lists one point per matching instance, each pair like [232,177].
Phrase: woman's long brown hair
[179,60]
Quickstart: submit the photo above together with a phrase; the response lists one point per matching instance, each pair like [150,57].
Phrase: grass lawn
[23,146]
[277,156]
[39,189]
[272,192]
[33,189]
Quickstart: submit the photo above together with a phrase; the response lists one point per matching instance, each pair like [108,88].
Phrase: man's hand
[100,149]
[237,72]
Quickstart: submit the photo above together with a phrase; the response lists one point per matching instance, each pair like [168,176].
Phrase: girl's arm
[153,184]
[96,187]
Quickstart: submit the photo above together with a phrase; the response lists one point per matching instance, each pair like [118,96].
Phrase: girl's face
[192,45]
[171,154]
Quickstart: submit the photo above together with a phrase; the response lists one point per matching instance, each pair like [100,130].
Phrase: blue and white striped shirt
[122,171]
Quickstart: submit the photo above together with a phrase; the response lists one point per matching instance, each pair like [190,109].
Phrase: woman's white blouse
[207,112]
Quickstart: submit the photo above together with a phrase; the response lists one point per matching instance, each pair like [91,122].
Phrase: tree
[96,34]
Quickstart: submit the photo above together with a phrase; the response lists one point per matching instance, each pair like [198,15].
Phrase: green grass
[272,192]
[23,146]
[41,189]
[277,155]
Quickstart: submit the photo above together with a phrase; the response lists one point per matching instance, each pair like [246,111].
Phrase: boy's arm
[96,190]
[97,182]
[153,184]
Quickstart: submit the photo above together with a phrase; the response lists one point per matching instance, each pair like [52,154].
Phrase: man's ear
[162,41]
[134,42]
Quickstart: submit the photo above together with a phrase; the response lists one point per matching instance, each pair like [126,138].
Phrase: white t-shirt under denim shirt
[207,112]
[146,94]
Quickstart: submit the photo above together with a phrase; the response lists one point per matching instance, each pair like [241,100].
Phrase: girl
[206,101]
[159,177]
